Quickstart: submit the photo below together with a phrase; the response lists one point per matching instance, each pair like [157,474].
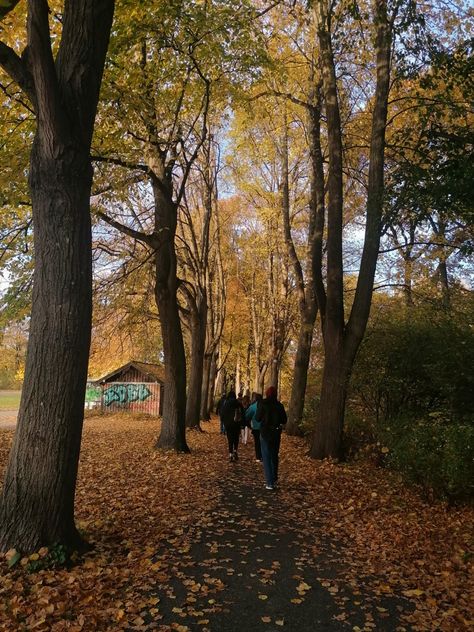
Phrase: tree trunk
[206,388]
[259,380]
[38,497]
[211,392]
[327,431]
[37,505]
[274,372]
[300,374]
[327,437]
[407,281]
[237,376]
[173,427]
[198,343]
[444,279]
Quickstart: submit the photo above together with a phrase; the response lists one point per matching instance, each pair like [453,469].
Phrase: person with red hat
[272,416]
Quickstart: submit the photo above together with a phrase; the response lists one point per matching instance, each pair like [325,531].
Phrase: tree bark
[300,374]
[173,427]
[38,497]
[198,343]
[37,506]
[314,286]
[408,276]
[259,380]
[274,372]
[325,441]
[206,394]
[211,392]
[327,436]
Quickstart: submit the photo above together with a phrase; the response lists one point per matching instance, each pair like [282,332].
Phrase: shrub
[435,453]
[411,363]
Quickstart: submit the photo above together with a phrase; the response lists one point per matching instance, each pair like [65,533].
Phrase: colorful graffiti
[93,394]
[122,394]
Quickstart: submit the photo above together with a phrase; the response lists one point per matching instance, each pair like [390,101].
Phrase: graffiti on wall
[122,394]
[93,394]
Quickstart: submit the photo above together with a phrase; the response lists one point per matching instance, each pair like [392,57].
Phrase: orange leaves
[303,587]
[170,551]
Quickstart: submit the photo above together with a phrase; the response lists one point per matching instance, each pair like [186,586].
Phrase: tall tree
[163,104]
[342,340]
[194,232]
[37,505]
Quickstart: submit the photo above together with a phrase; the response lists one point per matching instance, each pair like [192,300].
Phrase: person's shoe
[258,460]
[269,487]
[236,456]
[231,458]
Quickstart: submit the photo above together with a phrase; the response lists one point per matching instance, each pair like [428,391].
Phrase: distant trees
[161,111]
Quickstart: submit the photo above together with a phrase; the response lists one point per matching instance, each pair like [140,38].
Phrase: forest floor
[192,542]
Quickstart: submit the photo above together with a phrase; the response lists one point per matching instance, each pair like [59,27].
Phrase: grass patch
[9,400]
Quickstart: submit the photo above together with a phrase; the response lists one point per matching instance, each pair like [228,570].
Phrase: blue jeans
[270,448]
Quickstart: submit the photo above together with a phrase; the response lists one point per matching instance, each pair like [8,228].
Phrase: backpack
[271,416]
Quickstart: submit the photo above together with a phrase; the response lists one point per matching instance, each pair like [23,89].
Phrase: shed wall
[132,395]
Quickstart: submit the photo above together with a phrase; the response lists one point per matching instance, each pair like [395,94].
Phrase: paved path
[8,419]
[274,580]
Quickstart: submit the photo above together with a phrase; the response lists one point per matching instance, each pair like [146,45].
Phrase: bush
[411,363]
[411,391]
[435,453]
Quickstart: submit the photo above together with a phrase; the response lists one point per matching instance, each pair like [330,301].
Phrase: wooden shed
[135,386]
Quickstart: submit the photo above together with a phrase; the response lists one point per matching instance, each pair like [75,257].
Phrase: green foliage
[310,413]
[434,453]
[415,362]
[58,556]
[411,393]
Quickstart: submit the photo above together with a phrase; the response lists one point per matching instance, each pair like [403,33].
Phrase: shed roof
[154,371]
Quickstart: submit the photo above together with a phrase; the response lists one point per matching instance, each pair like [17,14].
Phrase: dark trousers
[258,447]
[233,435]
[270,450]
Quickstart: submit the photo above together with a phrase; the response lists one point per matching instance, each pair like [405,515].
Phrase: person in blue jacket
[250,414]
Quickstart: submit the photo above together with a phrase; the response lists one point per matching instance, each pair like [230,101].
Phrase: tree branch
[6,7]
[126,230]
[16,68]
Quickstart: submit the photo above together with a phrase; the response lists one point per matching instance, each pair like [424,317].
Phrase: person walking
[219,407]
[244,435]
[232,416]
[272,416]
[250,415]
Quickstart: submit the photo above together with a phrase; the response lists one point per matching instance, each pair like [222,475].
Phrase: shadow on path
[251,566]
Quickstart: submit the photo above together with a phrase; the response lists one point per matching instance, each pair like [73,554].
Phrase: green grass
[9,400]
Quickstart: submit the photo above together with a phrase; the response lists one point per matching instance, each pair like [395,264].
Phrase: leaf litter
[171,554]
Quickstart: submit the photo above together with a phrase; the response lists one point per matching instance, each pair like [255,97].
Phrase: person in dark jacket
[219,406]
[272,416]
[232,416]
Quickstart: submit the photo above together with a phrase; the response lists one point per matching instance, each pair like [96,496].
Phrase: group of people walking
[266,417]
